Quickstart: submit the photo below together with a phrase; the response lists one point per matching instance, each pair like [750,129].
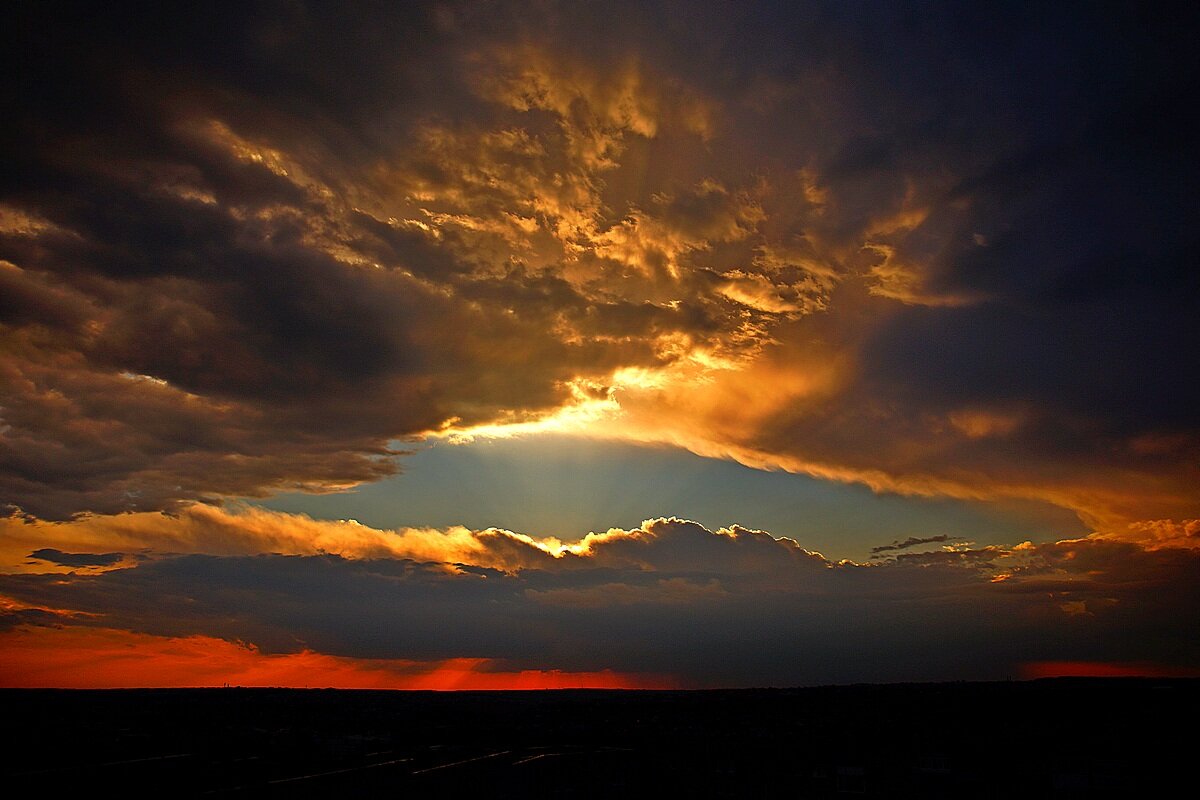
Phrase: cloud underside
[252,252]
[668,603]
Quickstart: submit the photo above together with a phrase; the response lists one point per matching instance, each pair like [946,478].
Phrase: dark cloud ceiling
[249,247]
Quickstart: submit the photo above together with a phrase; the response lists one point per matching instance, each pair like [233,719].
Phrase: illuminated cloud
[668,599]
[251,263]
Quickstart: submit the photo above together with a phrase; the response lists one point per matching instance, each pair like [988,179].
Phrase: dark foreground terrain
[1052,738]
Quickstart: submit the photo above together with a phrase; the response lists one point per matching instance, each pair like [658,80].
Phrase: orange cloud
[1154,534]
[249,530]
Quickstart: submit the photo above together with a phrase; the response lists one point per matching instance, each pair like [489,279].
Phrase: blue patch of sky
[566,486]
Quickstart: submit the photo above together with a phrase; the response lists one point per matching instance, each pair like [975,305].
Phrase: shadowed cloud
[731,607]
[77,559]
[911,541]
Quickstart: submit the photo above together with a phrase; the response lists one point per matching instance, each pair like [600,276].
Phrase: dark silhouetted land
[1051,738]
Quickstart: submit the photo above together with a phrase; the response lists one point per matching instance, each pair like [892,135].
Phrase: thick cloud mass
[710,608]
[942,250]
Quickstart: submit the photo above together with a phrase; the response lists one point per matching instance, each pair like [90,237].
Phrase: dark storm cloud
[911,541]
[195,304]
[1044,281]
[11,619]
[1065,218]
[1014,183]
[671,598]
[943,249]
[77,559]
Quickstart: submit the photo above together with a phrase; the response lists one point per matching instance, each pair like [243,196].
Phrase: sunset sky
[538,344]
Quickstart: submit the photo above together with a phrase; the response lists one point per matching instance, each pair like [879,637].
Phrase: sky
[533,345]
[549,484]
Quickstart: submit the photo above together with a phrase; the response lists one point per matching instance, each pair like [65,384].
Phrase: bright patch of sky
[565,487]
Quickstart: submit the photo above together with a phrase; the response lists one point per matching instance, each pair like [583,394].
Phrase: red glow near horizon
[1103,669]
[103,658]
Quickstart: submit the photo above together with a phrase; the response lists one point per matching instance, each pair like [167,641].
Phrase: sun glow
[102,658]
[595,409]
[576,417]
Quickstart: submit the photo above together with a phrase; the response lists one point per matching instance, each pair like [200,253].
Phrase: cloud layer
[670,599]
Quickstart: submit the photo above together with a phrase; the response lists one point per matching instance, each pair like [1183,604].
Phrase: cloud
[249,530]
[911,541]
[669,598]
[77,559]
[258,251]
[208,299]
